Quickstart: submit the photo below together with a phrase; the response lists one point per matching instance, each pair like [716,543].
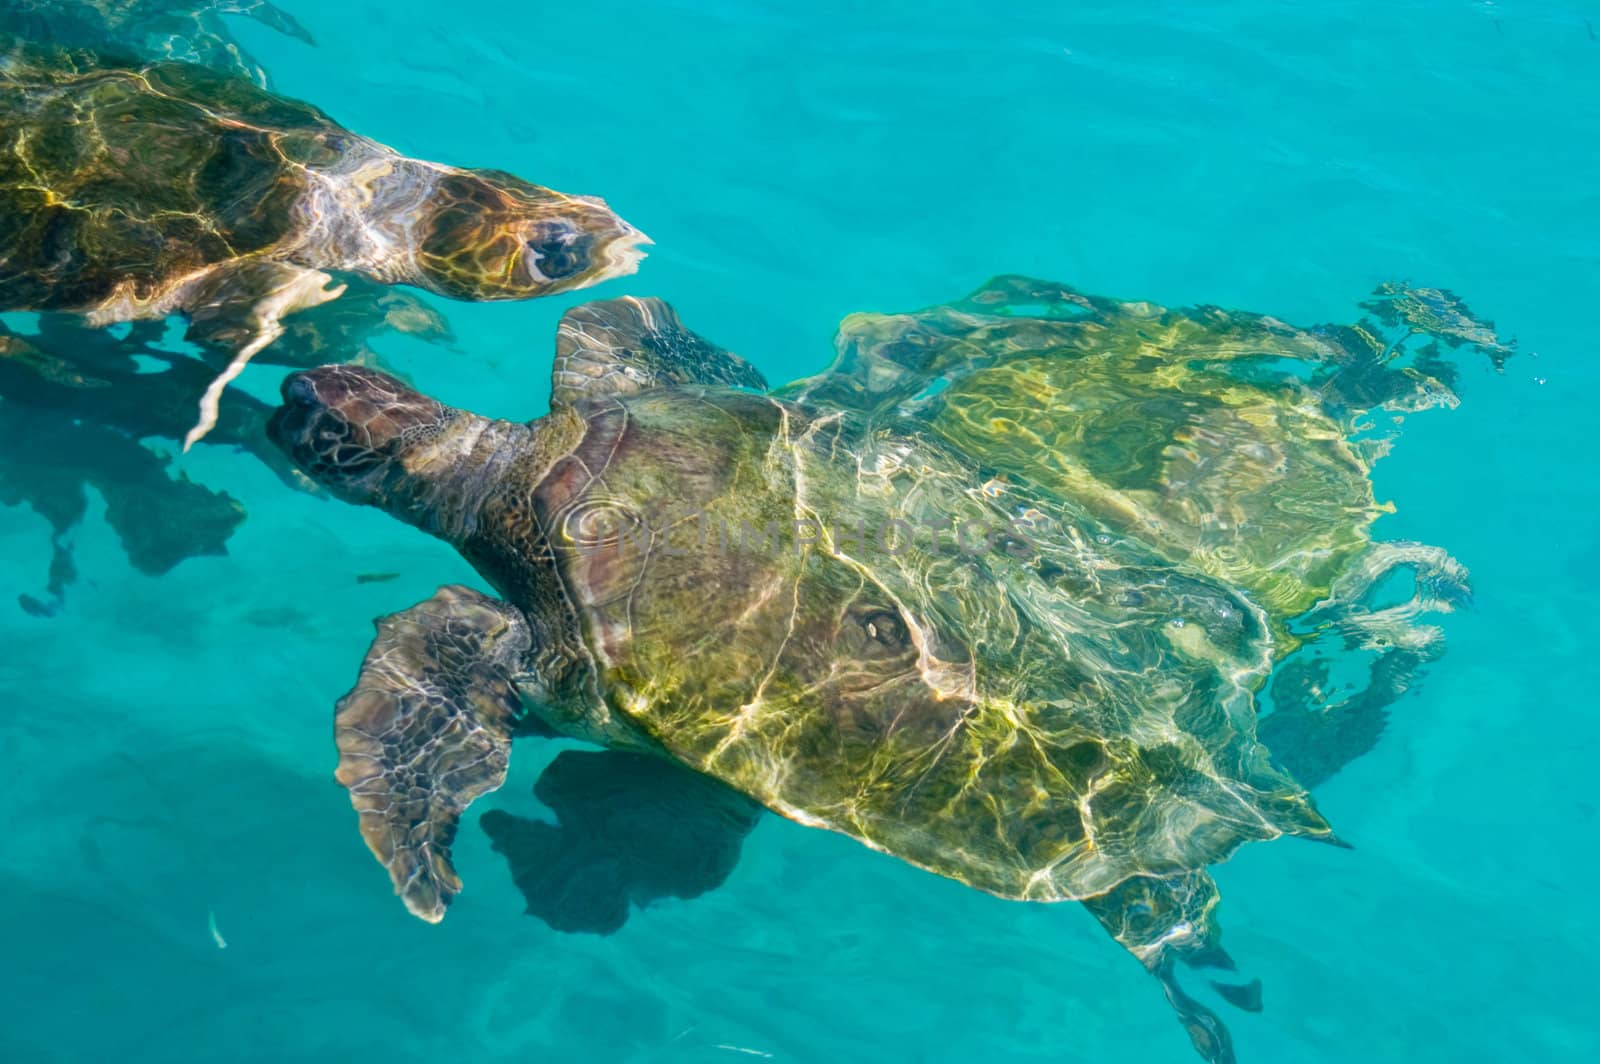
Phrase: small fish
[216,936]
[1590,26]
[284,617]
[376,578]
[34,607]
[742,1049]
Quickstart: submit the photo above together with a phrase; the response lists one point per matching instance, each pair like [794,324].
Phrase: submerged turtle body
[190,31]
[132,191]
[53,453]
[1222,439]
[899,600]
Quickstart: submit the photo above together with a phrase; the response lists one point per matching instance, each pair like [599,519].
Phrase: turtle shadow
[630,829]
[77,405]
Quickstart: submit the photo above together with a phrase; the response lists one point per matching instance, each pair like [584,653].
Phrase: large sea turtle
[186,30]
[929,599]
[131,190]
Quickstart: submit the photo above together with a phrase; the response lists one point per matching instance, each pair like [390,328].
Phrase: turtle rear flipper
[632,828]
[426,730]
[1166,919]
[240,306]
[270,15]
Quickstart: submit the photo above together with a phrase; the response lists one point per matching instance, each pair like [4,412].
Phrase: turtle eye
[297,389]
[885,627]
[556,253]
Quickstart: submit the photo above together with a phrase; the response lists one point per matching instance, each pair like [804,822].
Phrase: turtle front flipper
[426,730]
[614,347]
[631,828]
[241,307]
[1313,731]
[345,328]
[1166,919]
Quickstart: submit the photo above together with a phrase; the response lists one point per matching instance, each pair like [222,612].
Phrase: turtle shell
[124,178]
[995,593]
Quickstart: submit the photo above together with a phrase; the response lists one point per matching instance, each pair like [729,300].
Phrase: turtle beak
[623,254]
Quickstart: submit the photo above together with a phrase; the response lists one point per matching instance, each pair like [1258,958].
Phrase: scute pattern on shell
[1227,440]
[1231,441]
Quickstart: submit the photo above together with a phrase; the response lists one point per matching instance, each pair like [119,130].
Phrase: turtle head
[490,235]
[368,438]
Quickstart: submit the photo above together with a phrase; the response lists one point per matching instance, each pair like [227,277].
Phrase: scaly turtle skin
[880,601]
[131,191]
[191,32]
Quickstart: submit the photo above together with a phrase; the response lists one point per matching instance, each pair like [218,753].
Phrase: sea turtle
[134,190]
[186,30]
[853,599]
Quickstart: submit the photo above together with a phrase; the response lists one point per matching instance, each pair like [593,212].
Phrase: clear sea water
[164,743]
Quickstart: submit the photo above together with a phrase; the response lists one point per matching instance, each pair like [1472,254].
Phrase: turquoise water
[165,743]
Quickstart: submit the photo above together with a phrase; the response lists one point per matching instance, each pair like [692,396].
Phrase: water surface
[166,741]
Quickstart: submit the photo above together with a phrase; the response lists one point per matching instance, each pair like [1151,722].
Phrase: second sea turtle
[133,190]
